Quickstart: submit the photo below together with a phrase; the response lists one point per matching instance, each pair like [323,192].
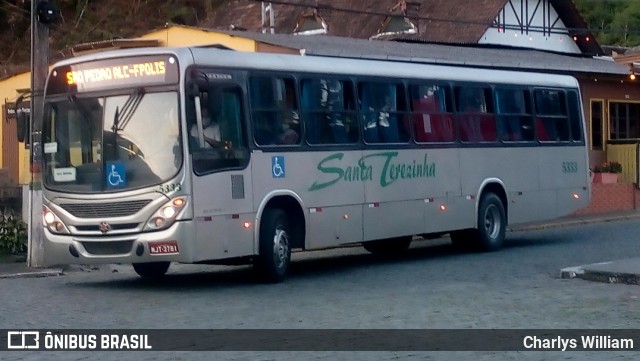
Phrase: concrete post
[39,70]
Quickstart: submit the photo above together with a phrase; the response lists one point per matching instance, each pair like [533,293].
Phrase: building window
[597,117]
[310,23]
[396,24]
[624,121]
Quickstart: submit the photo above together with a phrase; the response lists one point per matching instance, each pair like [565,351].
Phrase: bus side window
[222,120]
[552,120]
[382,106]
[476,123]
[431,117]
[513,109]
[274,111]
[575,116]
[327,111]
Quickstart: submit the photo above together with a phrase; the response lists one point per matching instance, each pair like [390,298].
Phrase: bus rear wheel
[275,246]
[391,246]
[490,232]
[151,270]
[492,223]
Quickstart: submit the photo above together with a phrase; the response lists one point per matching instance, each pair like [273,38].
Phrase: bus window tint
[513,109]
[328,111]
[431,114]
[575,118]
[224,144]
[476,123]
[382,108]
[274,111]
[552,123]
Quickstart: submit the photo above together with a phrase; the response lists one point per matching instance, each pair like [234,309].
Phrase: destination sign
[114,73]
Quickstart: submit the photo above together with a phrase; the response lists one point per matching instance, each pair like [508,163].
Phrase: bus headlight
[166,215]
[52,222]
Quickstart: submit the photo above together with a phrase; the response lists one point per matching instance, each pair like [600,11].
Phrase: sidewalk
[15,266]
[616,271]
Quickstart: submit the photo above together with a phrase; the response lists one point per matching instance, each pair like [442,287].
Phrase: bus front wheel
[151,270]
[275,246]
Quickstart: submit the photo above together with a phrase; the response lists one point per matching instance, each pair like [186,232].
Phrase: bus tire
[391,246]
[275,246]
[151,270]
[492,223]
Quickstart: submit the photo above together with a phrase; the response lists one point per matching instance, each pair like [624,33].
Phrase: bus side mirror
[23,121]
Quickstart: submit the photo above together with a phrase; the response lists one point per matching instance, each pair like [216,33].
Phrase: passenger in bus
[210,128]
[287,134]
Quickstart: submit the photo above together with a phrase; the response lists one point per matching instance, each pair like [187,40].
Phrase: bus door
[219,157]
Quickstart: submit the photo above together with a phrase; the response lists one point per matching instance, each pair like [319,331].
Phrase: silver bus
[204,155]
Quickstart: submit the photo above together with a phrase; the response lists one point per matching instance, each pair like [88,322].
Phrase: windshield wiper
[122,117]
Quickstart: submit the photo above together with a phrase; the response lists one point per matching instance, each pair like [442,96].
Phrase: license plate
[169,247]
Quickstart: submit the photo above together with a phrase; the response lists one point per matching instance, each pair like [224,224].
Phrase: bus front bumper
[169,245]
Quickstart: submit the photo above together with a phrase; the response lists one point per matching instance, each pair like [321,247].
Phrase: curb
[36,274]
[574,222]
[587,274]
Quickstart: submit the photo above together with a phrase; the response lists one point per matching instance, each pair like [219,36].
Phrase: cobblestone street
[430,287]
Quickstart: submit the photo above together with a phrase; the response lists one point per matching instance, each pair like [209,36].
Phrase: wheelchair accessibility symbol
[277,167]
[116,175]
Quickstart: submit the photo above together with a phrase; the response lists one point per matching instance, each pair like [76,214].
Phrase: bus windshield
[112,143]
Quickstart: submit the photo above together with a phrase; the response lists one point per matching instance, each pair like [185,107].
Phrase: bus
[312,153]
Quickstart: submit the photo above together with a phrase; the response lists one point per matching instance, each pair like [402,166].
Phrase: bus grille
[108,248]
[114,227]
[105,210]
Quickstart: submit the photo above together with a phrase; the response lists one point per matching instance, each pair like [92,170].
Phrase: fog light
[158,222]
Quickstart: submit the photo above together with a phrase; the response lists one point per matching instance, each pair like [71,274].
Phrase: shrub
[13,233]
[609,167]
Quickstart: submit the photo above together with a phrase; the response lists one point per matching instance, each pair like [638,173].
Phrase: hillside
[91,20]
[615,22]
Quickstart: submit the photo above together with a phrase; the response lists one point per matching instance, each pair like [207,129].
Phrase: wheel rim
[280,247]
[492,221]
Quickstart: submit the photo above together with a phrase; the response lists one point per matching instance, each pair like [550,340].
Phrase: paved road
[431,287]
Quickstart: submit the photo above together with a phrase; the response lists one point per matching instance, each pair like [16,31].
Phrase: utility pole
[42,15]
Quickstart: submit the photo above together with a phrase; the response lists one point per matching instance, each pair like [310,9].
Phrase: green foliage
[614,22]
[13,233]
[609,167]
[182,15]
